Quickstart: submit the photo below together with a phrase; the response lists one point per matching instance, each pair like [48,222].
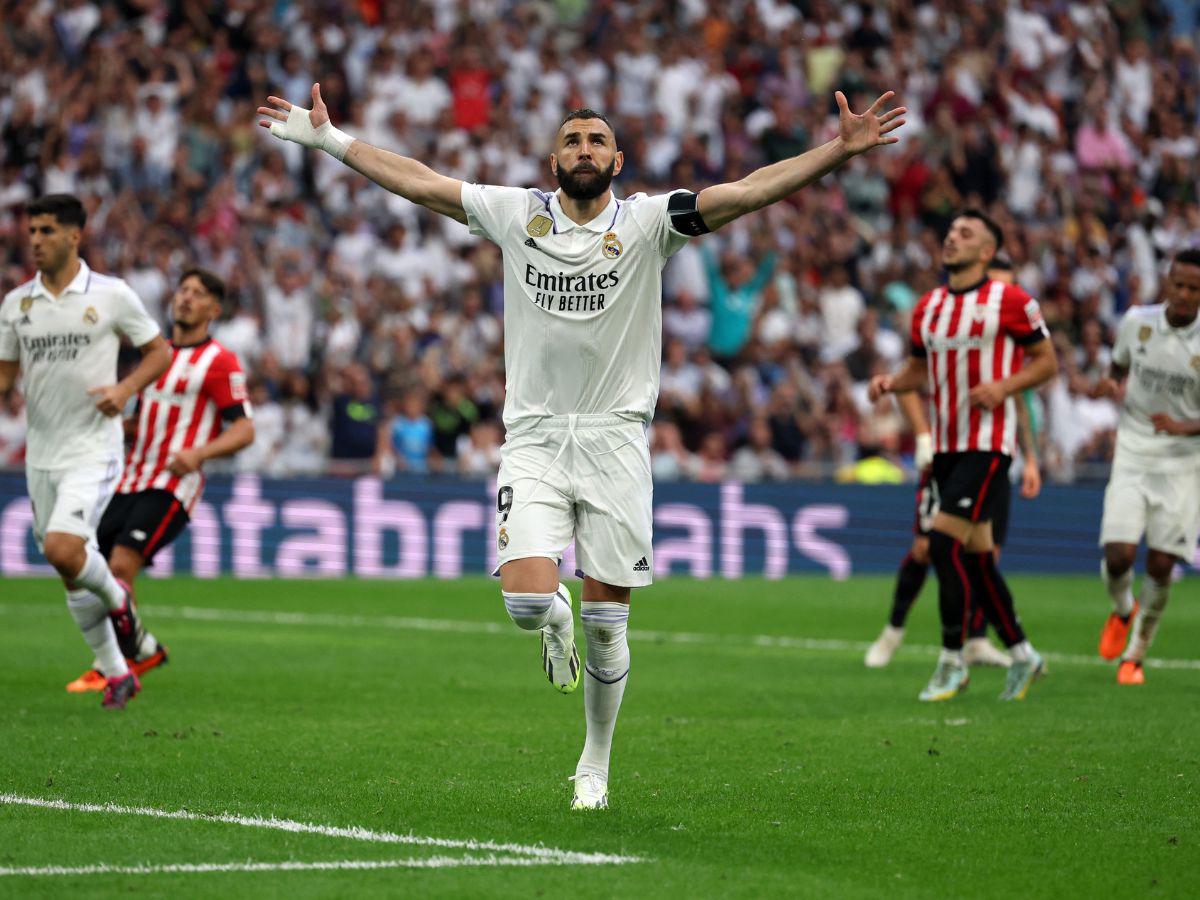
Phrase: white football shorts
[1164,506]
[71,500]
[585,477]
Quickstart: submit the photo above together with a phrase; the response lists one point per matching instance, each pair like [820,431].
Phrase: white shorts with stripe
[1164,506]
[71,500]
[581,477]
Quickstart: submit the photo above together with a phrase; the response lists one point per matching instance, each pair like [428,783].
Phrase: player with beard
[969,340]
[582,346]
[977,650]
[195,412]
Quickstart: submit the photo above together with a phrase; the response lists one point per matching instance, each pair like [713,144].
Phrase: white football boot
[591,791]
[879,654]
[982,652]
[560,659]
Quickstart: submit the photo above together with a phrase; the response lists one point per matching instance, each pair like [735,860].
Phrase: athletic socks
[532,612]
[1022,652]
[607,666]
[1120,588]
[91,615]
[909,581]
[97,578]
[1154,601]
[954,657]
[990,591]
[954,589]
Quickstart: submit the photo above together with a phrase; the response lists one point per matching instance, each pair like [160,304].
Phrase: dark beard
[955,267]
[588,185]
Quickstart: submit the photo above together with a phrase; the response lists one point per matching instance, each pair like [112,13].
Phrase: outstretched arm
[722,203]
[409,178]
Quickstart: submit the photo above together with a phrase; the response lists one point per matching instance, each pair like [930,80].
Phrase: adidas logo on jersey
[641,565]
[79,514]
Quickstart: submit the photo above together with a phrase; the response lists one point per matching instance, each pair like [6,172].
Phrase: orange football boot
[1116,633]
[141,666]
[1131,672]
[91,680]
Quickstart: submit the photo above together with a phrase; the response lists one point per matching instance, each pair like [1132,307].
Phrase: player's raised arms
[722,203]
[409,178]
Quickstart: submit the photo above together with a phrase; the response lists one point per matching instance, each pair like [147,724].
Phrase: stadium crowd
[372,330]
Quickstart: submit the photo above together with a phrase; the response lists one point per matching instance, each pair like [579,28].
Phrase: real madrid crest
[26,304]
[1196,364]
[91,316]
[1144,333]
[539,226]
[612,246]
[502,540]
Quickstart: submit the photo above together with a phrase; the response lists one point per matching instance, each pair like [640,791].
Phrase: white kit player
[583,335]
[61,331]
[1154,488]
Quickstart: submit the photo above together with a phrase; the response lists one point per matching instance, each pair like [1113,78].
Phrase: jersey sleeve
[1021,317]
[132,319]
[491,209]
[916,343]
[655,221]
[1121,346]
[10,346]
[225,385]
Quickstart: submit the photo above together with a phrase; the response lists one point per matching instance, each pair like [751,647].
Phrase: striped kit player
[196,410]
[970,339]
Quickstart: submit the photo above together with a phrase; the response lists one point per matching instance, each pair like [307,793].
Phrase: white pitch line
[406,623]
[542,855]
[431,862]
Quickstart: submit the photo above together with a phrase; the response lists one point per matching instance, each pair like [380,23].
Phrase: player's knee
[65,552]
[125,564]
[920,551]
[1159,566]
[1118,558]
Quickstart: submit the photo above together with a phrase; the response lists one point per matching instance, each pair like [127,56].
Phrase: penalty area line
[459,626]
[533,855]
[337,865]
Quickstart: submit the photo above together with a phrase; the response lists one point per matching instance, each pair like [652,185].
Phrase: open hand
[1163,422]
[295,123]
[873,128]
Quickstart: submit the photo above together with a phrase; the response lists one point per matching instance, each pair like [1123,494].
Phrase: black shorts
[146,522]
[973,485]
[927,508]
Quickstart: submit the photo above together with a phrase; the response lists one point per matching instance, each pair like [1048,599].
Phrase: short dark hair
[988,222]
[213,284]
[586,113]
[1001,263]
[64,207]
[1189,257]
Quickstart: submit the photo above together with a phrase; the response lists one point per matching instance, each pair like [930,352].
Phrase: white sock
[1120,589]
[532,612]
[1021,652]
[954,657]
[91,615]
[1154,601]
[99,579]
[607,666]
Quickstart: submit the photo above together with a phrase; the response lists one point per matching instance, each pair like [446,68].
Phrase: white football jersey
[582,303]
[65,346]
[1164,377]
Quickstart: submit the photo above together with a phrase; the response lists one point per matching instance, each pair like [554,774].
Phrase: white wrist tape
[923,455]
[298,128]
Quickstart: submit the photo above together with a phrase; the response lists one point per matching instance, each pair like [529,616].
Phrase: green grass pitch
[755,755]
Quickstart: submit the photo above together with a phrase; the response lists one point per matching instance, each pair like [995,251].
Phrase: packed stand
[372,328]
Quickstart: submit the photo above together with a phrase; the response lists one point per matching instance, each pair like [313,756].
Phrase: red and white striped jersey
[183,409]
[972,338]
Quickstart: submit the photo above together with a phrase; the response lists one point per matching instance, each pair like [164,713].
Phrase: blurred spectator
[12,429]
[355,418]
[405,441]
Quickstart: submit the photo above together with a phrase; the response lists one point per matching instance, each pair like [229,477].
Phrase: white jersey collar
[601,224]
[79,284]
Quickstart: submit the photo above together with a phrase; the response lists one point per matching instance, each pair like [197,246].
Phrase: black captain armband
[685,217]
[234,411]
